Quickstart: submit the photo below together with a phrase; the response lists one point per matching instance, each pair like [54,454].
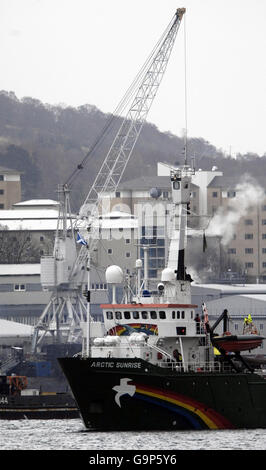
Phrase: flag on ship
[81,240]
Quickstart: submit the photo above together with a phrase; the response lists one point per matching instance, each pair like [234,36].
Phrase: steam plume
[224,222]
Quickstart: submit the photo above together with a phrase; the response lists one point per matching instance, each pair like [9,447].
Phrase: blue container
[43,368]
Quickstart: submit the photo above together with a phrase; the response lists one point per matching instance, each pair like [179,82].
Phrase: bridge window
[109,315]
[178,314]
[183,314]
[135,315]
[173,314]
[162,315]
[153,314]
[144,315]
[118,315]
[127,315]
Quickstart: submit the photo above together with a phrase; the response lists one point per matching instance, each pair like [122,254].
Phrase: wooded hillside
[48,142]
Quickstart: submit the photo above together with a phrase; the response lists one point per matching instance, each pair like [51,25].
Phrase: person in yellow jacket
[249,319]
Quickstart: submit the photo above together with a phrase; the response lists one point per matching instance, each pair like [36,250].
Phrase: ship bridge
[167,320]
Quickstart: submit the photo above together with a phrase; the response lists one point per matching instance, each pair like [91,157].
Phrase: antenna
[185,79]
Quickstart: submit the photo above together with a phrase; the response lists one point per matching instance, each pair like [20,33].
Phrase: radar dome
[114,275]
[168,275]
[155,193]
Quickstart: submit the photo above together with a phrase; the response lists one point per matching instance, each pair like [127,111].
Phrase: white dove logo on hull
[123,389]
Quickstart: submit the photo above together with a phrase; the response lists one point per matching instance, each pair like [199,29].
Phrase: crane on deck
[66,272]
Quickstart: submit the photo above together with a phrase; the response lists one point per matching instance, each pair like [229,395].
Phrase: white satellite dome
[138,263]
[114,275]
[168,275]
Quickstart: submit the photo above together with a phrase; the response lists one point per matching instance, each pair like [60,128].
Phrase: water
[71,435]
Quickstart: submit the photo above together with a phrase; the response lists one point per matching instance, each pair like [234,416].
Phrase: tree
[18,247]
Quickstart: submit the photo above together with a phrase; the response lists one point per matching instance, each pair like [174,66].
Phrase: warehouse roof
[11,328]
[20,269]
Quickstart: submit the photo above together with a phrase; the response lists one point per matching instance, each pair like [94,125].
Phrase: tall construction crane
[67,271]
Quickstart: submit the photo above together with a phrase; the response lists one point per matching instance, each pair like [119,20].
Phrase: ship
[17,401]
[153,364]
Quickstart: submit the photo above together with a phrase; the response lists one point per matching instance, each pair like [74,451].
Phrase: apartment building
[243,207]
[10,187]
[237,203]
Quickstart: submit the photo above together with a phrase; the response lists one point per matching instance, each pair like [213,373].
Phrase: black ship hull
[49,406]
[115,394]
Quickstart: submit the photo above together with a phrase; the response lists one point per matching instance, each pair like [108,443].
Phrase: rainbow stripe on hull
[196,413]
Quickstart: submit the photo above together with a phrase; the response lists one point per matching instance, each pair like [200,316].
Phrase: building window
[263,221]
[152,252]
[248,236]
[264,236]
[250,265]
[127,241]
[264,264]
[248,251]
[162,315]
[19,287]
[152,273]
[96,286]
[165,194]
[1,177]
[128,254]
[263,250]
[109,251]
[1,206]
[248,222]
[231,251]
[41,238]
[117,194]
[263,208]
[160,252]
[2,191]
[231,194]
[214,194]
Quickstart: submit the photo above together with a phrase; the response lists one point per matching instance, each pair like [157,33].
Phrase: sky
[77,52]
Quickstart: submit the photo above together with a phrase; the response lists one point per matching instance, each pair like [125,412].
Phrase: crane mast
[65,272]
